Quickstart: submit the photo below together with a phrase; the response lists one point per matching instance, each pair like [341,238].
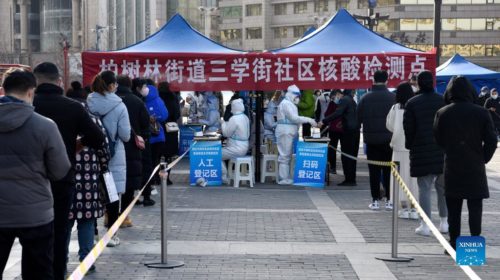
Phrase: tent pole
[437,28]
[258,105]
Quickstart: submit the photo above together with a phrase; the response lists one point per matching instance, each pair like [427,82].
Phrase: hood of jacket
[102,104]
[153,93]
[49,89]
[458,96]
[13,113]
[237,106]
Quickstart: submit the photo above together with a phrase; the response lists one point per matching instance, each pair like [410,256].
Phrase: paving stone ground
[229,267]
[276,232]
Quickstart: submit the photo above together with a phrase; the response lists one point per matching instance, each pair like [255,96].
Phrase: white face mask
[415,88]
[296,100]
[494,96]
[145,91]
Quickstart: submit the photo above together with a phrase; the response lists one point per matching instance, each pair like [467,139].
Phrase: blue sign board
[471,250]
[186,136]
[310,164]
[205,160]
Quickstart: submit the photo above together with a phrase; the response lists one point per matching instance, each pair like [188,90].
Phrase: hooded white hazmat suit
[237,130]
[270,121]
[286,131]
[201,105]
[193,108]
[212,115]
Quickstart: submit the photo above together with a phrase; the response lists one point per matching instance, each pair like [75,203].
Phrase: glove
[313,123]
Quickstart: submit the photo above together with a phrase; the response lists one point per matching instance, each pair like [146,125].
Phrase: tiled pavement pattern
[228,267]
[232,226]
[269,221]
[433,267]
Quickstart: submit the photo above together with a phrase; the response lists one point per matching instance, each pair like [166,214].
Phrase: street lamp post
[208,12]
[437,29]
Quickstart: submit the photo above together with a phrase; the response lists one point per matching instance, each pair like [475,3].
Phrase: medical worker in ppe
[286,130]
[193,108]
[270,121]
[237,131]
[211,116]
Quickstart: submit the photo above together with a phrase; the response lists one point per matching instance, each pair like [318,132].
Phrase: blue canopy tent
[178,36]
[309,30]
[458,65]
[343,34]
[175,41]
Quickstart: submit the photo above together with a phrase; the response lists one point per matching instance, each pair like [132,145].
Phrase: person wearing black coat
[349,139]
[492,104]
[372,114]
[465,131]
[426,157]
[174,113]
[139,121]
[72,120]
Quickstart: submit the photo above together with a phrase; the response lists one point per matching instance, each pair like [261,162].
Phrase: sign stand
[395,207]
[164,264]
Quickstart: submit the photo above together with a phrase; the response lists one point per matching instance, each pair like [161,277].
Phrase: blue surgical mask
[336,100]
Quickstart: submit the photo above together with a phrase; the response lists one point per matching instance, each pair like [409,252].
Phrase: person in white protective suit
[201,104]
[270,121]
[212,115]
[286,131]
[237,131]
[193,107]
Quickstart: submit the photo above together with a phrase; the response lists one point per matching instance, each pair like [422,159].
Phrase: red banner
[258,71]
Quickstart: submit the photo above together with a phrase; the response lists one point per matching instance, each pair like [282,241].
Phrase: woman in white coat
[237,131]
[394,124]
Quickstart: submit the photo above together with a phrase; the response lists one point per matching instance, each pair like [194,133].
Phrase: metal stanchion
[164,262]
[395,208]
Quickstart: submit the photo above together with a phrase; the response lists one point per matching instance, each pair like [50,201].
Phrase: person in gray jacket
[27,166]
[104,102]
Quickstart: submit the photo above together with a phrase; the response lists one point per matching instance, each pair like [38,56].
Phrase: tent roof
[343,34]
[177,36]
[458,65]
[309,30]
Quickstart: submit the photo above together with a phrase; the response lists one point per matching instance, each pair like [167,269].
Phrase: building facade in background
[36,29]
[469,27]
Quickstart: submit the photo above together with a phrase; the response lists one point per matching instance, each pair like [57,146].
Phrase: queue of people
[120,127]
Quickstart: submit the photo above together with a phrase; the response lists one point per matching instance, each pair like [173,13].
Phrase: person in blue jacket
[158,115]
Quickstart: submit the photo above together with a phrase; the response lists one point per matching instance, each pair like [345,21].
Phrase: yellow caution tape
[90,259]
[467,269]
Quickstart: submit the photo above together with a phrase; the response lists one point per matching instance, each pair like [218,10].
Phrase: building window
[496,50]
[425,24]
[488,50]
[463,50]
[320,6]
[496,24]
[449,24]
[408,24]
[448,50]
[280,9]
[363,4]
[478,24]
[342,4]
[387,25]
[254,33]
[230,34]
[298,31]
[477,50]
[300,7]
[280,32]
[231,12]
[463,23]
[254,10]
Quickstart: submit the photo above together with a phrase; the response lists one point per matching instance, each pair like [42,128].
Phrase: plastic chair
[239,175]
[264,164]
